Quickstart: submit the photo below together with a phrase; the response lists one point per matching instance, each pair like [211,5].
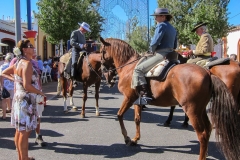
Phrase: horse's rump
[65,58]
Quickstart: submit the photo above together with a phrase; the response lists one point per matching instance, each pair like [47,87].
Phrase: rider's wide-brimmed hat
[161,11]
[85,26]
[199,24]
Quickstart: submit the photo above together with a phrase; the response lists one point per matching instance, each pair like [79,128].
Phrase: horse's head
[108,67]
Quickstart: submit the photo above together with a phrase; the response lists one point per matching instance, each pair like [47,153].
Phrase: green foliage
[137,36]
[186,13]
[58,18]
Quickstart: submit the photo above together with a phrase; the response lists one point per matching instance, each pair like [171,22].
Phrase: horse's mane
[121,49]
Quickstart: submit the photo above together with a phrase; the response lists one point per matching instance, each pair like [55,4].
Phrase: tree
[137,35]
[58,18]
[186,13]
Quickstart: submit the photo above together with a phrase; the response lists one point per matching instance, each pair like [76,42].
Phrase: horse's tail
[226,120]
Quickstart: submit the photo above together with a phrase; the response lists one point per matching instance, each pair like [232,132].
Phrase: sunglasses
[30,46]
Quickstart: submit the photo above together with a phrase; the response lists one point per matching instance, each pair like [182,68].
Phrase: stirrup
[143,100]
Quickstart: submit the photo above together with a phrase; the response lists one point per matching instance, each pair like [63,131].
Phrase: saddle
[67,60]
[217,62]
[160,70]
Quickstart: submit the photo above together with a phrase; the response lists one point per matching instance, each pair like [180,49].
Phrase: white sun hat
[85,26]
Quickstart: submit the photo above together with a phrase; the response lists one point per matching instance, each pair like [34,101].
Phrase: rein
[91,68]
[115,69]
[122,65]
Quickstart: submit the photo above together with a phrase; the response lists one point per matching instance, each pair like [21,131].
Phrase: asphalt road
[70,137]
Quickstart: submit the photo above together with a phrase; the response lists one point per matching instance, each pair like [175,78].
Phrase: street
[70,137]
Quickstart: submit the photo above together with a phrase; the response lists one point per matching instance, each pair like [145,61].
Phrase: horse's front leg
[63,82]
[137,119]
[124,107]
[97,85]
[70,90]
[85,87]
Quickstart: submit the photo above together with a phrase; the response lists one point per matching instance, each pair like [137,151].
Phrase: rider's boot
[145,96]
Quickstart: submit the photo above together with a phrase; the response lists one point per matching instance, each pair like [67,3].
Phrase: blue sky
[7,9]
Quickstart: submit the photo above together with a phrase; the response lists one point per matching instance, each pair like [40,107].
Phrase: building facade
[231,43]
[7,36]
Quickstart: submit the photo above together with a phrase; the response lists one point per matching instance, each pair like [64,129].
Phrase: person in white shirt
[46,67]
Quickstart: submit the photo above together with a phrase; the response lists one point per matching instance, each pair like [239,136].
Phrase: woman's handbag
[5,93]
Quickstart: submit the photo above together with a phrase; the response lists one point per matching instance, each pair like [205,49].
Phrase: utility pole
[148,21]
[17,21]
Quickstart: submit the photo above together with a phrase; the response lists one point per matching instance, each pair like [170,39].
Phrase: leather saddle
[67,60]
[160,70]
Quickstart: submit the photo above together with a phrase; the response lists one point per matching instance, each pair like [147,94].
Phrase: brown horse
[89,74]
[193,95]
[228,72]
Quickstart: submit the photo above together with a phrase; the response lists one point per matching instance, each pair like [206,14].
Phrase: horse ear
[103,42]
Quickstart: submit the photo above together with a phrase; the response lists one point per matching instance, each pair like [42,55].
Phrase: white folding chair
[44,76]
[49,75]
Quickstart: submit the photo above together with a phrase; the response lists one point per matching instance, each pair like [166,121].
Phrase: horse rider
[78,43]
[233,57]
[204,47]
[163,44]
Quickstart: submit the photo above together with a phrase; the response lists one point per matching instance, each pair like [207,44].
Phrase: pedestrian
[24,114]
[39,139]
[233,57]
[8,85]
[162,46]
[46,67]
[204,47]
[78,43]
[40,63]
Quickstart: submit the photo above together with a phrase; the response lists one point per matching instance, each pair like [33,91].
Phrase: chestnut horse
[228,72]
[89,74]
[193,95]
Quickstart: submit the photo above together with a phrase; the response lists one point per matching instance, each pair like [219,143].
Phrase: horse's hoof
[82,115]
[166,124]
[133,142]
[74,108]
[97,113]
[128,141]
[185,125]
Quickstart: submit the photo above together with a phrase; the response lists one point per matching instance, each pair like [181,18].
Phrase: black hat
[199,24]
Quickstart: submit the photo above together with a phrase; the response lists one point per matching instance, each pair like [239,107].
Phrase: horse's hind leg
[63,82]
[97,86]
[185,123]
[70,90]
[170,117]
[202,126]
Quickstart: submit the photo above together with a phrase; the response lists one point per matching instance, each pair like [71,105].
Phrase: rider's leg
[139,80]
[75,56]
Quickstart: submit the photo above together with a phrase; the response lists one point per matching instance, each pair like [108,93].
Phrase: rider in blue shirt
[162,45]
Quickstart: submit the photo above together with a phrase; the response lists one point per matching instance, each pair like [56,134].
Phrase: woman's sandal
[4,118]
